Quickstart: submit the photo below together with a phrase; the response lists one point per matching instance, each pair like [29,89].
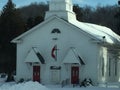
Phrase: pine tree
[11,25]
[117,16]
[11,22]
[38,19]
[30,23]
[78,12]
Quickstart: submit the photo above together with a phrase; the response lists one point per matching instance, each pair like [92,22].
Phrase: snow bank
[24,86]
[37,86]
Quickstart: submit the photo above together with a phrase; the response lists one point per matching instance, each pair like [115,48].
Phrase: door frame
[55,74]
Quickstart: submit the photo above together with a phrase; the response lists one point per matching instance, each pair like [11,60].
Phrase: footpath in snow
[36,86]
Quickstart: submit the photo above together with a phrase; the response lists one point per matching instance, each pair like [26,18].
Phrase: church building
[62,48]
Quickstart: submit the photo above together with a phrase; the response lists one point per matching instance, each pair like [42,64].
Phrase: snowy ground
[36,86]
[23,86]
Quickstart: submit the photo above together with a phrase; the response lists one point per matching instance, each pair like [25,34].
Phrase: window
[56,30]
[103,66]
[115,67]
[109,66]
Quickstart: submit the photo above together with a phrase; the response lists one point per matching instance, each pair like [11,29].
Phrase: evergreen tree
[38,19]
[117,16]
[11,25]
[30,23]
[79,12]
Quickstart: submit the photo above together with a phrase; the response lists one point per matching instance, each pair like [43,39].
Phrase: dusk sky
[93,3]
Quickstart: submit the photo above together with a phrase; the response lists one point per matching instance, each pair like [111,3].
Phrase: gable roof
[34,56]
[31,57]
[17,39]
[96,31]
[73,57]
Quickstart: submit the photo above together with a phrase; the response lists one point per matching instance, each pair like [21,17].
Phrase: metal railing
[65,82]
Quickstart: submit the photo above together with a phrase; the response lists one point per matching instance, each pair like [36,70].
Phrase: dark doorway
[36,73]
[75,75]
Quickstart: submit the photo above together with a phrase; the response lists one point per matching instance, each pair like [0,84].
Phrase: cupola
[62,9]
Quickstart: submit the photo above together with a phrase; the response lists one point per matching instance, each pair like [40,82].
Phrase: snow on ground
[23,86]
[58,87]
[36,86]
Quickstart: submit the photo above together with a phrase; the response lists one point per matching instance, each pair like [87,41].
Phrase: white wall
[70,37]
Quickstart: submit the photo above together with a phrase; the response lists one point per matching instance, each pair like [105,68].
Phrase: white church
[62,48]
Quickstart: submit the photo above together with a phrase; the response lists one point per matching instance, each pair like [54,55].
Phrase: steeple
[62,9]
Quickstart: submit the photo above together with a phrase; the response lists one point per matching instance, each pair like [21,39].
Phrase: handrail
[65,82]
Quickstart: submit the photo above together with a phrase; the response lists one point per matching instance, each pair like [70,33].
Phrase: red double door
[75,75]
[36,73]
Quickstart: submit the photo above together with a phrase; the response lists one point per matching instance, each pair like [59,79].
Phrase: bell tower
[62,9]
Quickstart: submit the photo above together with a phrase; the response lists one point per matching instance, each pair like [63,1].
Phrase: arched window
[56,30]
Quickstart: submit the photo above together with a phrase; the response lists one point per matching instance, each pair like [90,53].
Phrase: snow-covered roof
[31,57]
[73,57]
[98,31]
[34,56]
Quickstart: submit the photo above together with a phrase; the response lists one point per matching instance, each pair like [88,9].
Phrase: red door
[74,75]
[36,73]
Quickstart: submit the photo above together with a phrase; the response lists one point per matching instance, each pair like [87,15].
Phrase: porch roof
[73,57]
[34,56]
